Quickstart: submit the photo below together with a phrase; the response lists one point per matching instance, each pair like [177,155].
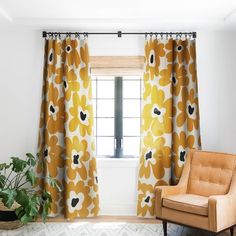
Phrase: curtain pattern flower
[66,145]
[170,116]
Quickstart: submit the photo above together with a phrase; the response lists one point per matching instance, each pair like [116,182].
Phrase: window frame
[117,67]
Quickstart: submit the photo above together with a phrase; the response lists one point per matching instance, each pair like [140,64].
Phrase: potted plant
[19,201]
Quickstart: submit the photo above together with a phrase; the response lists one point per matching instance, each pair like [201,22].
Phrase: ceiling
[144,15]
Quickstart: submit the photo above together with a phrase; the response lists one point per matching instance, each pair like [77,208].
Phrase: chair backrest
[210,173]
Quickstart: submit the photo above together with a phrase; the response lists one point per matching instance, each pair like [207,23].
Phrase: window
[117,109]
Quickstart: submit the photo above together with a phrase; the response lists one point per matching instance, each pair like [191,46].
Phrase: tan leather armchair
[205,196]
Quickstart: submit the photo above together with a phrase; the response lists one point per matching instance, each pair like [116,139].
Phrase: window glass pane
[131,146]
[105,89]
[105,77]
[94,108]
[131,108]
[131,127]
[94,88]
[105,146]
[94,128]
[131,89]
[105,126]
[142,88]
[132,77]
[105,108]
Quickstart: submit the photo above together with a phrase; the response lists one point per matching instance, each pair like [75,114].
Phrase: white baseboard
[118,210]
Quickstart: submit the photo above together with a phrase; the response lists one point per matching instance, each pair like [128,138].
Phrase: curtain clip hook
[85,35]
[146,35]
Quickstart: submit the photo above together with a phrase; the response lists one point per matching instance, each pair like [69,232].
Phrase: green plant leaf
[30,176]
[45,211]
[19,212]
[31,159]
[2,181]
[54,183]
[18,164]
[22,197]
[46,196]
[30,155]
[4,166]
[46,204]
[8,197]
[26,218]
[33,206]
[29,206]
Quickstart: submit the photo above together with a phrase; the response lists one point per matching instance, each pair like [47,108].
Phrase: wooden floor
[173,230]
[129,219]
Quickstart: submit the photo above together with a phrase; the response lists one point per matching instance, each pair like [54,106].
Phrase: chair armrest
[221,211]
[180,188]
[222,208]
[164,191]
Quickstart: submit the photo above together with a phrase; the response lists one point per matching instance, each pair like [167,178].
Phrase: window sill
[106,162]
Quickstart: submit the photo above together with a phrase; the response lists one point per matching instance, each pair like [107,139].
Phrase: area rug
[91,229]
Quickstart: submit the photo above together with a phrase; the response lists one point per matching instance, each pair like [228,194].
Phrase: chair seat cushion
[190,203]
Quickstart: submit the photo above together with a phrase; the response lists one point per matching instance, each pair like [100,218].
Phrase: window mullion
[118,126]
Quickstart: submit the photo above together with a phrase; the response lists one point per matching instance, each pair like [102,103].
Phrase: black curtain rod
[119,33]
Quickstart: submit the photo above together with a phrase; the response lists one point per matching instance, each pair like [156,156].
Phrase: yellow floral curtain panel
[66,145]
[170,116]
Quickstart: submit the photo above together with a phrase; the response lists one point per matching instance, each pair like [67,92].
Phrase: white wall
[216,52]
[21,57]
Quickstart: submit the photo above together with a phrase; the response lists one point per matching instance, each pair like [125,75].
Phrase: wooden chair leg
[232,231]
[164,224]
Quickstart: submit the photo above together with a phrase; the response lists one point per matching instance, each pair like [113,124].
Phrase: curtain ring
[85,35]
[161,35]
[146,35]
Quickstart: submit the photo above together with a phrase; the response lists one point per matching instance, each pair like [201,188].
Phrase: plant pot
[8,218]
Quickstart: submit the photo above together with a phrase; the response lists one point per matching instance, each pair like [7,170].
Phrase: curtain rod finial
[194,35]
[44,33]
